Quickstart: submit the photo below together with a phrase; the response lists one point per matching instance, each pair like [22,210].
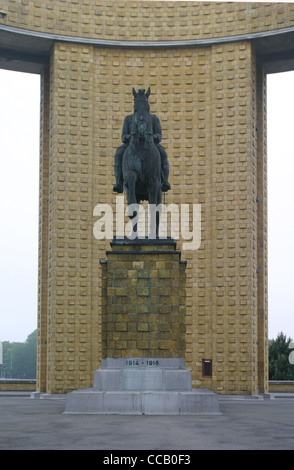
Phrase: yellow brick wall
[43,231]
[205,99]
[262,255]
[146,20]
[281,386]
[73,293]
[210,101]
[21,385]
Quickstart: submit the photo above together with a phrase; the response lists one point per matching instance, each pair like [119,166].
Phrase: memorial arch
[206,64]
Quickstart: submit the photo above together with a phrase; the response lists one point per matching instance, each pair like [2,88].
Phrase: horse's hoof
[117,188]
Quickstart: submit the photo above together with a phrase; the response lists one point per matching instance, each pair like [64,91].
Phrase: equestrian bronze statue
[141,165]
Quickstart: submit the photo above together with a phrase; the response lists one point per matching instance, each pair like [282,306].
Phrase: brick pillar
[143,301]
[43,233]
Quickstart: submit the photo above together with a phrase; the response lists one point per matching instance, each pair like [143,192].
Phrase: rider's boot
[165,186]
[118,187]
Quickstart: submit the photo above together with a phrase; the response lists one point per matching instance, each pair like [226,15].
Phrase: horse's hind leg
[154,210]
[159,201]
[130,184]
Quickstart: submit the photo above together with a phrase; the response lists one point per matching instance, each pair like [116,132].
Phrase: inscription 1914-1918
[142,363]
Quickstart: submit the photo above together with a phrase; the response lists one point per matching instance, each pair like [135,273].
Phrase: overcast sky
[19,185]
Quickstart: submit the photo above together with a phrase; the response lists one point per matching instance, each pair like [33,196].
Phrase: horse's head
[141,99]
[142,121]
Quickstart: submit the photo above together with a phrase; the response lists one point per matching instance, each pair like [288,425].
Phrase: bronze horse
[141,164]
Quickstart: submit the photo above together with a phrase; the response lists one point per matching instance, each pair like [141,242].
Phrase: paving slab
[244,424]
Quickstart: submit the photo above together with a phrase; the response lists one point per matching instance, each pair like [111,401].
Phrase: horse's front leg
[130,185]
[133,206]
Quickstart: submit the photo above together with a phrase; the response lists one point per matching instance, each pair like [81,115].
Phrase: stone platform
[143,336]
[142,391]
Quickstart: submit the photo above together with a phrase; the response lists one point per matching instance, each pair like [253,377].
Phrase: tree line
[20,359]
[280,367]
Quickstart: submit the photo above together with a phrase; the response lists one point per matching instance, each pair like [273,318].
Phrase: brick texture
[211,101]
[147,20]
[144,303]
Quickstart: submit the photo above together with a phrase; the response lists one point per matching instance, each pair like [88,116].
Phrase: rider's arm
[126,135]
[156,129]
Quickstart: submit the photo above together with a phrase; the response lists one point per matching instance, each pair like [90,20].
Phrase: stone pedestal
[144,297]
[143,336]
